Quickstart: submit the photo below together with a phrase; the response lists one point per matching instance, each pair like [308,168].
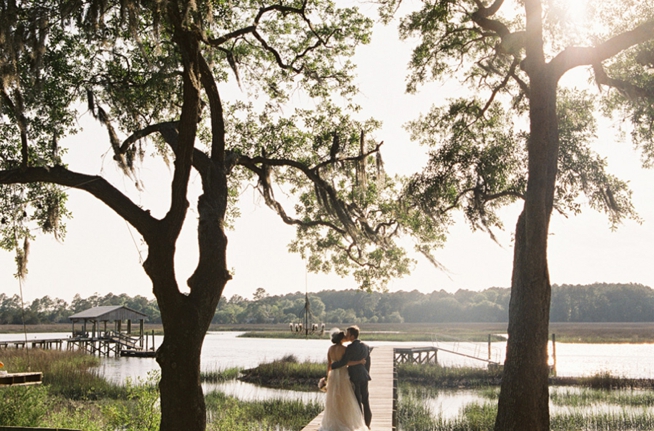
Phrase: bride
[342,411]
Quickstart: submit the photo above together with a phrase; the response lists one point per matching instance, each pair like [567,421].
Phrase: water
[223,350]
[251,392]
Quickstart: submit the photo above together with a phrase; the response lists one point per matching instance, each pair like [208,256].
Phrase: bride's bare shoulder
[336,352]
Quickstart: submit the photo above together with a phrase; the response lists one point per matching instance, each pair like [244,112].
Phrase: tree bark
[524,397]
[186,318]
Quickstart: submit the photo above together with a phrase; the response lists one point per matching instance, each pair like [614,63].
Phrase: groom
[360,373]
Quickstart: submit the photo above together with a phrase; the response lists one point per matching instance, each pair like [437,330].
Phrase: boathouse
[99,317]
[104,325]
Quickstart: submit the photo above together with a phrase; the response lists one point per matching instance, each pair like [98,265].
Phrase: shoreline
[566,332]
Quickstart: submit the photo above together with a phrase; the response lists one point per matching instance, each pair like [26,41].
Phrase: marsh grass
[219,375]
[603,380]
[286,373]
[228,413]
[72,374]
[449,377]
[583,397]
[577,409]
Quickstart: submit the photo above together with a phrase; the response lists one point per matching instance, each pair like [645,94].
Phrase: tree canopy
[155,75]
[512,56]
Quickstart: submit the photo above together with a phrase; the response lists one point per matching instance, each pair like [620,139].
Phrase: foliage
[23,406]
[80,418]
[478,164]
[49,310]
[141,411]
[600,302]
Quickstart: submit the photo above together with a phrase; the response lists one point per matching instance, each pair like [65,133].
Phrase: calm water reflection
[250,392]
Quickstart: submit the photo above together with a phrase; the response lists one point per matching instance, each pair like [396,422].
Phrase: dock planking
[381,389]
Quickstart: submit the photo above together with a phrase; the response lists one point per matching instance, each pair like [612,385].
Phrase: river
[223,350]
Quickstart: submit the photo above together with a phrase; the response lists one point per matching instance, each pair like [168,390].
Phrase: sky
[102,254]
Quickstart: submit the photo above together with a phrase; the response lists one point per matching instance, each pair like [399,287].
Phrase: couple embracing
[347,406]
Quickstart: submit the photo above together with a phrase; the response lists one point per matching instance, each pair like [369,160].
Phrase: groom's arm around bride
[359,373]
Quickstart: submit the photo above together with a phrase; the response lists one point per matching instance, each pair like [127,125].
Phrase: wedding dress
[342,411]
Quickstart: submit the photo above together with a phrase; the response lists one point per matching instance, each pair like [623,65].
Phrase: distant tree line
[600,302]
[48,310]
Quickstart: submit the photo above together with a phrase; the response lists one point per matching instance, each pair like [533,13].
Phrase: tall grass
[220,375]
[449,377]
[584,397]
[23,406]
[603,380]
[225,413]
[70,373]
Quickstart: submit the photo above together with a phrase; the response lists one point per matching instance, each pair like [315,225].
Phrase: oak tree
[519,134]
[153,73]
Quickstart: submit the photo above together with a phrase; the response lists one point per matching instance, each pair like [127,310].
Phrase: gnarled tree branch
[630,90]
[95,185]
[579,56]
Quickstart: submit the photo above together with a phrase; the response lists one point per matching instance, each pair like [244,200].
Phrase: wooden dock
[20,379]
[102,344]
[382,391]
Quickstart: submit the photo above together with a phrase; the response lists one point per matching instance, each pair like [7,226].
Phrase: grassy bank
[286,373]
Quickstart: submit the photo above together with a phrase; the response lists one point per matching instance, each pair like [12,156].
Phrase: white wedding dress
[342,411]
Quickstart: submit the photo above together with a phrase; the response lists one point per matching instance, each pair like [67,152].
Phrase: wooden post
[129,327]
[141,334]
[153,340]
[554,354]
[489,347]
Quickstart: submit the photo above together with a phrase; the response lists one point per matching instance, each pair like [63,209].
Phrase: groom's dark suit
[359,374]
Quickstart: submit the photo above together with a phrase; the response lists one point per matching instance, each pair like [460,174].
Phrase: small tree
[514,55]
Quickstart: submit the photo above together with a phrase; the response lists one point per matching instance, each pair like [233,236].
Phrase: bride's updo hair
[337,335]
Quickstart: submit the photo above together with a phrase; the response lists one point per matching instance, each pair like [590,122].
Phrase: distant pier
[96,335]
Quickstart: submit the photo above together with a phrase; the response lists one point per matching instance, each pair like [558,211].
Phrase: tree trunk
[186,318]
[524,397]
[182,400]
